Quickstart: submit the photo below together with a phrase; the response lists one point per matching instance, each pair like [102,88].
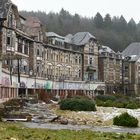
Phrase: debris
[54,102]
[13,138]
[55,119]
[64,121]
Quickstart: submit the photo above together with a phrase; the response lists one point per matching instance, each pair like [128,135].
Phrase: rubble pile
[103,116]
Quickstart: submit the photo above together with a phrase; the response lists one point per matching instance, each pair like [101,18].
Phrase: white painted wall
[40,83]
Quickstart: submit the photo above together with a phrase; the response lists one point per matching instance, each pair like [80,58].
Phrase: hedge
[78,104]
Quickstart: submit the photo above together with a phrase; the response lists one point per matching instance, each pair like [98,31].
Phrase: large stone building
[72,57]
[110,69]
[131,69]
[15,43]
[28,53]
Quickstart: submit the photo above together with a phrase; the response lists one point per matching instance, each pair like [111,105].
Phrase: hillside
[114,32]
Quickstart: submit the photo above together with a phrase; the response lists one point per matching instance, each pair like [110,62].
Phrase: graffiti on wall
[5,81]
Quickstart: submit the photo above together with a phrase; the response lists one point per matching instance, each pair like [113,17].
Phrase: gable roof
[4,8]
[132,51]
[81,38]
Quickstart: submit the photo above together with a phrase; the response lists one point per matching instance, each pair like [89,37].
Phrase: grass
[17,131]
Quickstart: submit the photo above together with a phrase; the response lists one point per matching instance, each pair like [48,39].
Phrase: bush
[125,120]
[108,103]
[78,104]
[119,105]
[99,103]
[131,105]
[14,103]
[106,97]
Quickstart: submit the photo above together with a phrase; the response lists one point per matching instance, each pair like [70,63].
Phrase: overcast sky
[127,8]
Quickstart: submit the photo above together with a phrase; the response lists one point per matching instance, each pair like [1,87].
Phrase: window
[79,73]
[66,60]
[47,53]
[10,20]
[90,61]
[90,50]
[76,60]
[37,69]
[8,40]
[57,57]
[26,49]
[79,60]
[20,43]
[52,55]
[37,51]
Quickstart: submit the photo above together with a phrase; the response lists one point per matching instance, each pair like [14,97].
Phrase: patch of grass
[17,131]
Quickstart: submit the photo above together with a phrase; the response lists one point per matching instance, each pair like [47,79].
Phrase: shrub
[119,105]
[106,97]
[108,103]
[77,104]
[13,102]
[131,105]
[125,120]
[99,103]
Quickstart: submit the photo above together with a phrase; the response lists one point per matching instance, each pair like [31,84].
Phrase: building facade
[110,69]
[28,53]
[73,57]
[15,42]
[131,69]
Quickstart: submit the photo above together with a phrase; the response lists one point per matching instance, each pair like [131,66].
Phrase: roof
[4,8]
[106,49]
[68,38]
[33,22]
[132,51]
[81,38]
[52,34]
